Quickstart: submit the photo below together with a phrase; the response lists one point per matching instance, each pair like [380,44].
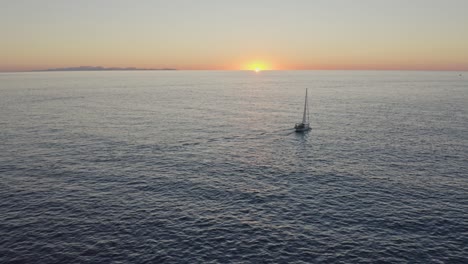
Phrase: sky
[235,35]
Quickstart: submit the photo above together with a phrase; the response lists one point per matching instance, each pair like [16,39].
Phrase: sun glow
[257,66]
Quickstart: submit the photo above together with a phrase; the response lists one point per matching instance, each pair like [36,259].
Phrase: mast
[305,109]
[308,119]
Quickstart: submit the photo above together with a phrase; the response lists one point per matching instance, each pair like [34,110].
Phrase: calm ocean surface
[204,167]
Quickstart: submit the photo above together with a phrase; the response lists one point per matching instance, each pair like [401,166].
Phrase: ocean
[205,167]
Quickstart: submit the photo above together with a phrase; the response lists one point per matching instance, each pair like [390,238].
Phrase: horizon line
[102,68]
[247,70]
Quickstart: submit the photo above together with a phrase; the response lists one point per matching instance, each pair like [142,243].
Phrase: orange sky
[235,35]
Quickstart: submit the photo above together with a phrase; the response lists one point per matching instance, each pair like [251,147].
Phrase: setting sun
[257,66]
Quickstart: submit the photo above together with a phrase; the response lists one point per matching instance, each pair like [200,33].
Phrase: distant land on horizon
[100,68]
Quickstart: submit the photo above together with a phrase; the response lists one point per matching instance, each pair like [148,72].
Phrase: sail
[305,110]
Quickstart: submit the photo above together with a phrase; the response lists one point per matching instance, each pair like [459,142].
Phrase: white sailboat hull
[302,127]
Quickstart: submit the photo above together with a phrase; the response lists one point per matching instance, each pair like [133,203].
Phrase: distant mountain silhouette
[100,68]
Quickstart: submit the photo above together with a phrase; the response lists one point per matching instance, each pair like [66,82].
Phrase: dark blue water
[204,167]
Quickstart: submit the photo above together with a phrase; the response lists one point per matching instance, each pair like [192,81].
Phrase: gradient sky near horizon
[233,35]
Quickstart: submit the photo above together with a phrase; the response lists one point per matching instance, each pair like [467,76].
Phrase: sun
[257,66]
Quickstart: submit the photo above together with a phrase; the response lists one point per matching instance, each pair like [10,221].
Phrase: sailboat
[304,126]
